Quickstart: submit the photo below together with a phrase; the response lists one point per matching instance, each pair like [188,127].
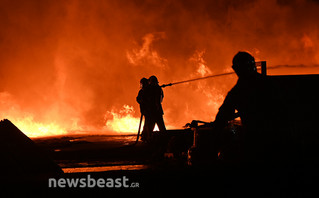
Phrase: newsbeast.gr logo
[89,182]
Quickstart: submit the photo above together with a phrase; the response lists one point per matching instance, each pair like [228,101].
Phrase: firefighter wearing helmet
[150,98]
[155,98]
[255,101]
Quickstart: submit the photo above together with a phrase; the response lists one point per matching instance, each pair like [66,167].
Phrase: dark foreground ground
[113,157]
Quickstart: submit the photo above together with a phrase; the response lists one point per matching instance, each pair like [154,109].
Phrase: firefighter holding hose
[150,98]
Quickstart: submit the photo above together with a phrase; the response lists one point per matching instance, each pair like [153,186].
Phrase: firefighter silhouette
[257,104]
[150,98]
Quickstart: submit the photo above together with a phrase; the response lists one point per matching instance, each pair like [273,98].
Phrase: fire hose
[258,64]
[195,79]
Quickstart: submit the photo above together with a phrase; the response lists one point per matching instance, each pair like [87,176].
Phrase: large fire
[74,66]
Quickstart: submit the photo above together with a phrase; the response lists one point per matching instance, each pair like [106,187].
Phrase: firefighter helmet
[153,80]
[244,64]
[143,82]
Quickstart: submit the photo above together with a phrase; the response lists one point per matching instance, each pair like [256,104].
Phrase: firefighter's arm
[226,112]
[162,95]
[139,97]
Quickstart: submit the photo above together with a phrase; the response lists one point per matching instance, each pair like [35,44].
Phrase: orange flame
[32,128]
[55,77]
[123,121]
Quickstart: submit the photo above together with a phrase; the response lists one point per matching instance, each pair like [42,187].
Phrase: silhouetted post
[263,68]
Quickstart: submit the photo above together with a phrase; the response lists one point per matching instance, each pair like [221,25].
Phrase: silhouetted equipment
[139,129]
[193,151]
[263,66]
[211,145]
[299,92]
[21,159]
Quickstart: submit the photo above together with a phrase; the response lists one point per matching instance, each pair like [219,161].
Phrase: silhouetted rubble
[21,159]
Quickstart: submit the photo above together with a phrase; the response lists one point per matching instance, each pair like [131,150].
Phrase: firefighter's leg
[148,128]
[160,123]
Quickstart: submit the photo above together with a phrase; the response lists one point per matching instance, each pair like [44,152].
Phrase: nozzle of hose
[166,85]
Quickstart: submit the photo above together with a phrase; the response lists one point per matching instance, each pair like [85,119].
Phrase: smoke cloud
[73,62]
